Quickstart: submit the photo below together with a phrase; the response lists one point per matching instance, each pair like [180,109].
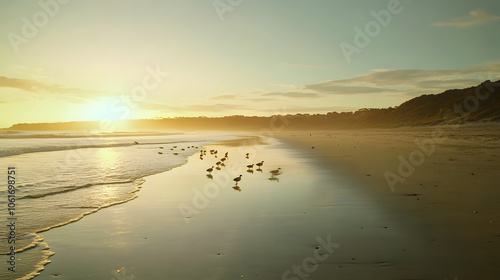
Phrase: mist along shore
[348,205]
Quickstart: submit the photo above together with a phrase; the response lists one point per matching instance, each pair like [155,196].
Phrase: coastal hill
[455,106]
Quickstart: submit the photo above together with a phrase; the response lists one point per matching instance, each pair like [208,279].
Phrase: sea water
[62,176]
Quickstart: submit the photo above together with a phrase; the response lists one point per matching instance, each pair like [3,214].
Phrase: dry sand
[453,190]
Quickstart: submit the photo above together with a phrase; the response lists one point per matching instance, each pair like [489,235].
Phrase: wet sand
[453,191]
[312,218]
[323,219]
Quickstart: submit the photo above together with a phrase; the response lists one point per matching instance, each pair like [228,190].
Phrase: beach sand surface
[314,221]
[453,190]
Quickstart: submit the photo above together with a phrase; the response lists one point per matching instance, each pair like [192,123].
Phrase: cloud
[292,94]
[214,108]
[34,86]
[206,108]
[310,110]
[304,65]
[260,99]
[331,87]
[224,97]
[410,82]
[476,18]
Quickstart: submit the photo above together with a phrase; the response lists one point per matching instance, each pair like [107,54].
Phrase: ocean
[62,176]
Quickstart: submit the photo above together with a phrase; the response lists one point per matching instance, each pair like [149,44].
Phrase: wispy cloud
[224,97]
[304,65]
[206,108]
[476,18]
[409,82]
[292,94]
[310,110]
[34,86]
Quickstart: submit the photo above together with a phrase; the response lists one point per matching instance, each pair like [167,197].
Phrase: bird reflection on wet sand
[237,188]
[209,176]
[272,178]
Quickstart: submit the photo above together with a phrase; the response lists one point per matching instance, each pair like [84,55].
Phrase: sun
[106,109]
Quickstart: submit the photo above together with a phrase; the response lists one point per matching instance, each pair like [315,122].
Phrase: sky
[75,60]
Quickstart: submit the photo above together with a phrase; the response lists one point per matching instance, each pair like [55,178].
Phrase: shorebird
[237,179]
[210,169]
[223,159]
[250,166]
[160,153]
[218,163]
[175,147]
[260,164]
[135,142]
[161,147]
[225,155]
[247,155]
[275,172]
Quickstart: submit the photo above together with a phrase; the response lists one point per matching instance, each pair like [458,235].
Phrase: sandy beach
[453,190]
[329,215]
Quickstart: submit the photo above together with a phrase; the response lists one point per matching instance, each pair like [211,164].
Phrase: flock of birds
[221,163]
[172,149]
[250,167]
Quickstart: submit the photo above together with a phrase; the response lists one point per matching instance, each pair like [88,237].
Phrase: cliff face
[454,106]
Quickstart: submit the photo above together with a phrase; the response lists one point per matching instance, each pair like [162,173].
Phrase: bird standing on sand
[237,179]
[260,164]
[250,166]
[218,163]
[225,155]
[223,159]
[210,169]
[160,153]
[247,155]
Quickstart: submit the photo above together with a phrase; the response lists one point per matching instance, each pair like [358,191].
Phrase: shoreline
[411,224]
